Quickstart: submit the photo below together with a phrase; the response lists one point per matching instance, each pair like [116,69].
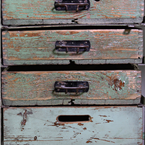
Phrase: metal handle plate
[73,46]
[71,86]
[71,5]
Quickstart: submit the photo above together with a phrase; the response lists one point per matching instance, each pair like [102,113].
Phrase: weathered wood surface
[31,12]
[105,87]
[119,125]
[38,47]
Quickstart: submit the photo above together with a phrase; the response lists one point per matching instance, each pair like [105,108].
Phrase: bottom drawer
[119,125]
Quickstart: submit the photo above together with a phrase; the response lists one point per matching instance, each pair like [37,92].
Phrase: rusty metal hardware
[71,86]
[73,46]
[71,5]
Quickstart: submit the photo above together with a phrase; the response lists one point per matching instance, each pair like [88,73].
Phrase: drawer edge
[70,102]
[74,22]
[84,61]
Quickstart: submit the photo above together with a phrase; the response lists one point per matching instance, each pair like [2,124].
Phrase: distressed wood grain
[119,125]
[38,47]
[31,12]
[31,88]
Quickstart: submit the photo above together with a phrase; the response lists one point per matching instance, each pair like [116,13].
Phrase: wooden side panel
[42,12]
[38,47]
[107,126]
[1,126]
[22,88]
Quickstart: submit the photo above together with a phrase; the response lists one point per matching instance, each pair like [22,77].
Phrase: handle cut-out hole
[74,118]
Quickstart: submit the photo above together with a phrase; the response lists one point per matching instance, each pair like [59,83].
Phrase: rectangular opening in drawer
[73,118]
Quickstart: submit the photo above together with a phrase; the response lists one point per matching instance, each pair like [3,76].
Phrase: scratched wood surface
[38,47]
[31,88]
[32,12]
[118,125]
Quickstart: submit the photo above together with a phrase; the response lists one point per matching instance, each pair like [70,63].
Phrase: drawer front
[31,12]
[104,87]
[50,125]
[39,47]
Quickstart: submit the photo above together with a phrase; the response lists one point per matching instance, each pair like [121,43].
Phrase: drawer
[66,87]
[100,46]
[31,12]
[109,125]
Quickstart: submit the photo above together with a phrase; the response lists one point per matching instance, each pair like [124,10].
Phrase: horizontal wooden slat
[25,88]
[31,12]
[108,125]
[38,47]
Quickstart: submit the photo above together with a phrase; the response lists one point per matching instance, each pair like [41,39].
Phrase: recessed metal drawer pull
[71,5]
[73,118]
[73,46]
[71,86]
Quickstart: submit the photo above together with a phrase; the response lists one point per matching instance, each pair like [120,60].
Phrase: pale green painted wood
[38,47]
[38,125]
[30,88]
[31,12]
[66,101]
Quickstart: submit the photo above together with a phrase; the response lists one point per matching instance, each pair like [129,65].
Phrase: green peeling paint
[44,10]
[38,47]
[102,85]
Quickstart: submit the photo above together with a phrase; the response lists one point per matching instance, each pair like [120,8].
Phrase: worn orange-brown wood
[28,88]
[38,47]
[31,12]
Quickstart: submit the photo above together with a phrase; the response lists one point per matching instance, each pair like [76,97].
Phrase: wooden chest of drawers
[93,106]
